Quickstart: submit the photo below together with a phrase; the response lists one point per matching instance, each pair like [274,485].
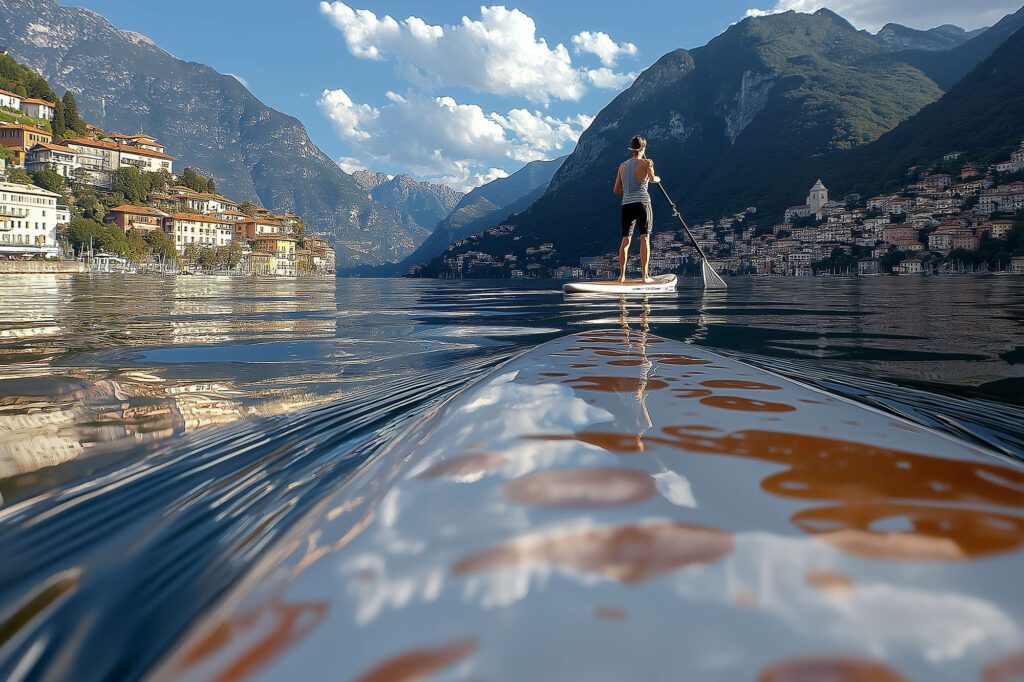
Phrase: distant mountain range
[756,115]
[943,37]
[421,204]
[482,208]
[125,83]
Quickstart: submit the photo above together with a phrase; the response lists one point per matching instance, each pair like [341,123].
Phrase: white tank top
[633,191]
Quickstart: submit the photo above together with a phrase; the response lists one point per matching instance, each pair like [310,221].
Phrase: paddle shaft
[677,214]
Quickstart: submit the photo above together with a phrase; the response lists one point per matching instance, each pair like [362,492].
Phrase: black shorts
[639,213]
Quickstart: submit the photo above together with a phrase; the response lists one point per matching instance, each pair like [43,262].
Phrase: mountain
[125,83]
[722,119]
[943,37]
[481,208]
[421,204]
[948,67]
[982,117]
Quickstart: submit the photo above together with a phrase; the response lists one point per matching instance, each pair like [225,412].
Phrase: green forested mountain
[21,80]
[722,119]
[750,119]
[982,117]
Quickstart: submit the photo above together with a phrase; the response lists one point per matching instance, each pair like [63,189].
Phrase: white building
[102,157]
[28,221]
[10,100]
[37,108]
[818,198]
[62,159]
[200,230]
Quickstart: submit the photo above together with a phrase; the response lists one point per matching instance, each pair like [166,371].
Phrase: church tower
[817,199]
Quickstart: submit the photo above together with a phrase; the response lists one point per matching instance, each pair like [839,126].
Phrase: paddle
[712,280]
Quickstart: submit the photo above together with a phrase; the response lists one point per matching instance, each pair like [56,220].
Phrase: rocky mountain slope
[421,204]
[125,83]
[742,121]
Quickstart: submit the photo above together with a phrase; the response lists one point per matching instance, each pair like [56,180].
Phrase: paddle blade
[712,280]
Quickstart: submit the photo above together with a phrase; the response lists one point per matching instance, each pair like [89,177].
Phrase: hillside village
[71,190]
[954,217]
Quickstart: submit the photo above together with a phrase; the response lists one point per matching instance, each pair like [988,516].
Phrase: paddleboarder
[631,184]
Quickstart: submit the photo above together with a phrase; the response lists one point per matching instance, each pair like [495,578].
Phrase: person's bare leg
[645,257]
[623,257]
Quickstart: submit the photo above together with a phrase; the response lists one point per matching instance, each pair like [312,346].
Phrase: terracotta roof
[31,129]
[197,218]
[139,210]
[54,147]
[10,94]
[264,221]
[33,100]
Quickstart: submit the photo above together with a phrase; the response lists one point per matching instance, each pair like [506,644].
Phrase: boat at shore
[614,505]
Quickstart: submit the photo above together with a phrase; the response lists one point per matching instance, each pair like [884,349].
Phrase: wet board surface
[661,283]
[616,506]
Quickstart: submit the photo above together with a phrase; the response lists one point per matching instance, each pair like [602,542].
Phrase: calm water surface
[158,435]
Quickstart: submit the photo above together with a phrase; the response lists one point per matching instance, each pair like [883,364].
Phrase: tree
[193,180]
[211,186]
[57,126]
[161,244]
[248,208]
[130,182]
[19,176]
[71,118]
[48,179]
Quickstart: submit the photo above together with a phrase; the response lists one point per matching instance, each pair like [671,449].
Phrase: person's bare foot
[648,279]
[622,278]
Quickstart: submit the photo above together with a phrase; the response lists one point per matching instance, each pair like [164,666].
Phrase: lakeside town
[102,201]
[955,217]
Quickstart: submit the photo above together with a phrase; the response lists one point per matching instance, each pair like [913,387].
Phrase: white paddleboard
[661,283]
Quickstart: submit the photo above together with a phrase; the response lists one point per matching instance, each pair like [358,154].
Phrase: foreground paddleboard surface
[661,283]
[613,506]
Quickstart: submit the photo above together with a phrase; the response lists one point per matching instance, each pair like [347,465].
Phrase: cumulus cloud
[607,79]
[444,140]
[350,164]
[923,14]
[500,53]
[602,45]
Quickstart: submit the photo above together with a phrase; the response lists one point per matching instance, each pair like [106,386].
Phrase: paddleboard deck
[661,283]
[680,513]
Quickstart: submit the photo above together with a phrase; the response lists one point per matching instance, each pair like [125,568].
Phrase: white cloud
[500,53]
[441,139]
[605,78]
[923,14]
[350,164]
[602,45]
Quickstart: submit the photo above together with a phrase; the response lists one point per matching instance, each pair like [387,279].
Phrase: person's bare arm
[618,182]
[650,172]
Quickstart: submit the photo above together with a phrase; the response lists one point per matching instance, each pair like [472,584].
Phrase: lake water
[159,434]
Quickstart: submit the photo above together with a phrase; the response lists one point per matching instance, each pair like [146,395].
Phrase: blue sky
[461,102]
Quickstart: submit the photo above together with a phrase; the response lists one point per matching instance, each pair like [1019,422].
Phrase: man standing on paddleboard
[631,183]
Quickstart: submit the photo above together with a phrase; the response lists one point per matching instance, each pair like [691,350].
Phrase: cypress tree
[57,125]
[71,118]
